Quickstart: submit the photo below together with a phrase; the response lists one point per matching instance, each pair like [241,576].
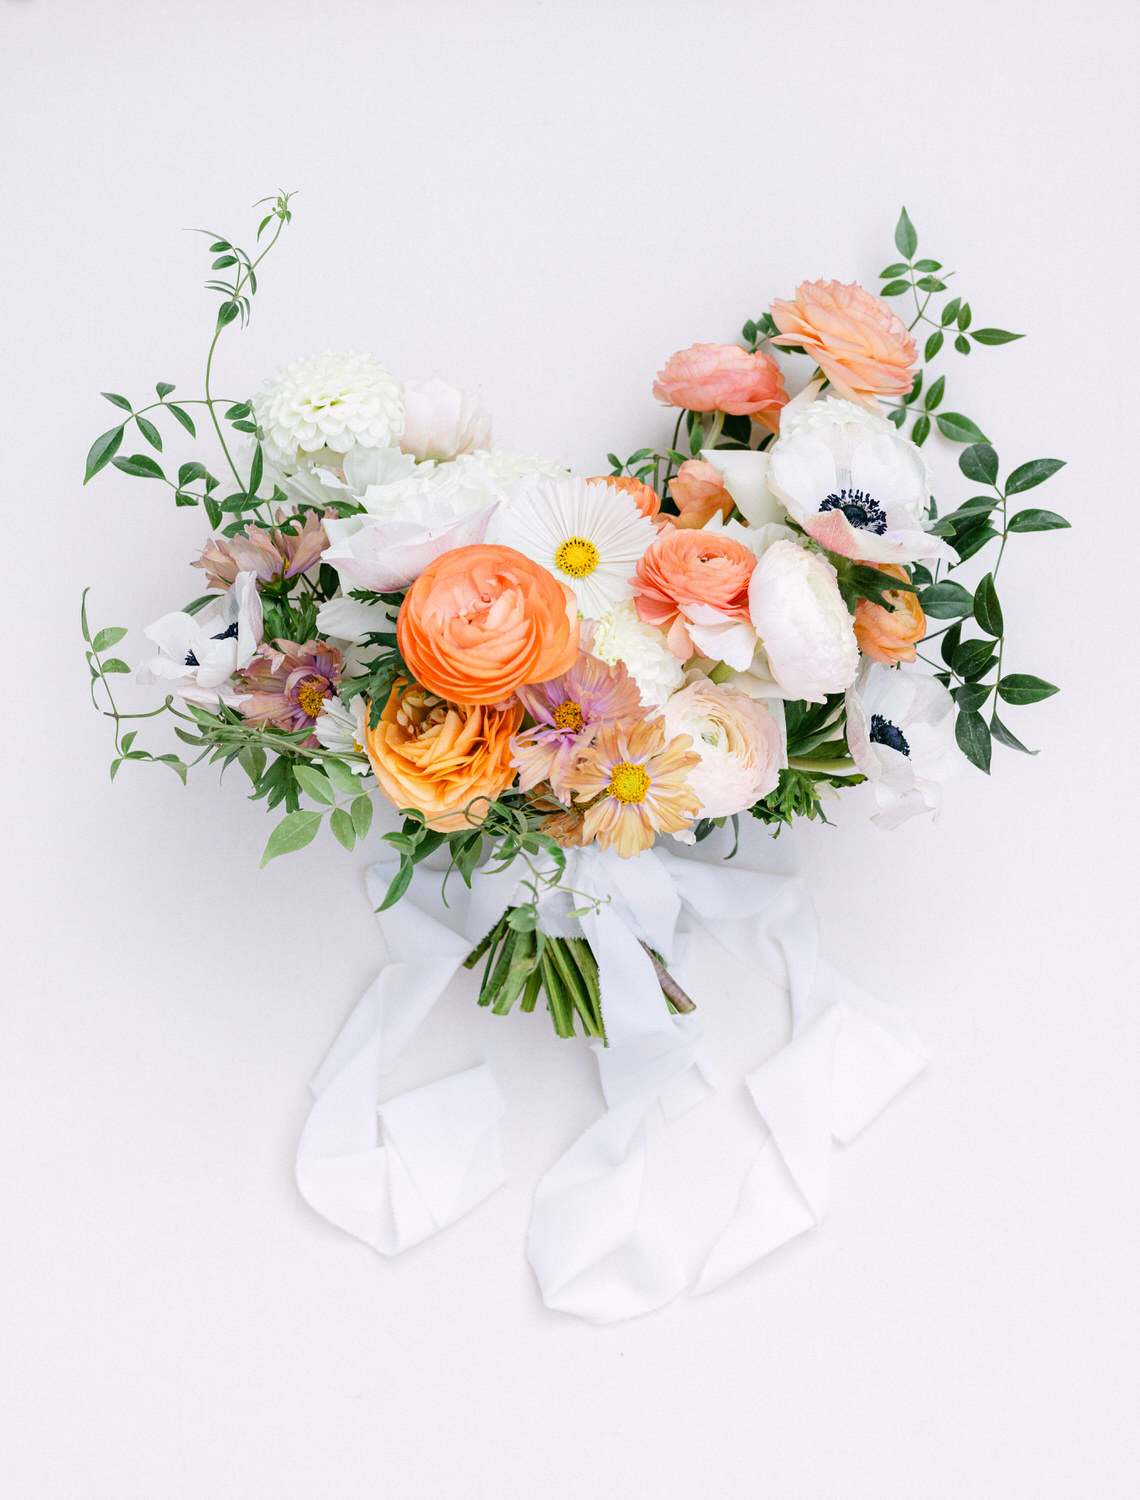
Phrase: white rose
[442,420]
[803,624]
[738,738]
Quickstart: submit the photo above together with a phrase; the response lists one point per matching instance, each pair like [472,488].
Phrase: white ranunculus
[900,731]
[802,623]
[199,653]
[442,420]
[739,739]
[321,407]
[854,484]
[621,636]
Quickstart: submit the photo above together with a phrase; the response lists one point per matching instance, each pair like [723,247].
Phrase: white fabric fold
[847,1057]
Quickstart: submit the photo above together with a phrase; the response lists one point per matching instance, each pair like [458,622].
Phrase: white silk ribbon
[848,1056]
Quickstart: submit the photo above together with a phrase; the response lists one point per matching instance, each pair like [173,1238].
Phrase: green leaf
[1022,687]
[251,758]
[113,664]
[183,417]
[931,284]
[342,830]
[950,643]
[245,426]
[117,400]
[964,316]
[895,289]
[997,336]
[898,416]
[361,812]
[140,466]
[933,344]
[222,262]
[1004,737]
[1030,475]
[973,659]
[235,413]
[950,311]
[109,637]
[987,609]
[213,512]
[973,736]
[227,313]
[979,462]
[920,431]
[343,777]
[295,830]
[102,451]
[962,344]
[1038,520]
[972,540]
[934,394]
[315,783]
[188,472]
[399,885]
[906,238]
[928,265]
[163,389]
[150,432]
[946,601]
[959,429]
[971,695]
[913,393]
[896,270]
[256,469]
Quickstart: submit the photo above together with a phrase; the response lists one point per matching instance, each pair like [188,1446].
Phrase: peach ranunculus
[699,492]
[694,585]
[889,635]
[644,496]
[723,377]
[862,347]
[481,621]
[441,757]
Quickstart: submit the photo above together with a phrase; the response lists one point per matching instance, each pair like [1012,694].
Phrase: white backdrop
[545,200]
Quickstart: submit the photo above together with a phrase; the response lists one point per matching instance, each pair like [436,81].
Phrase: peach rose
[644,496]
[481,621]
[723,377]
[698,489]
[439,757]
[854,338]
[889,635]
[694,585]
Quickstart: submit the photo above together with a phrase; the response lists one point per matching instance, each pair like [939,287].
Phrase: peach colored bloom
[699,491]
[640,783]
[273,555]
[854,338]
[567,712]
[723,377]
[689,578]
[644,496]
[286,684]
[481,621]
[889,635]
[442,757]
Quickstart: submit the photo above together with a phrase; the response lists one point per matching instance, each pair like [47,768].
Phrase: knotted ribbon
[847,1057]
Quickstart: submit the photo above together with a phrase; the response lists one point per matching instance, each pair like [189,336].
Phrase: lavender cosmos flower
[287,684]
[568,711]
[272,555]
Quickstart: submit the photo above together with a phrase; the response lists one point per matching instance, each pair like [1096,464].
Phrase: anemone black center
[883,732]
[228,634]
[862,510]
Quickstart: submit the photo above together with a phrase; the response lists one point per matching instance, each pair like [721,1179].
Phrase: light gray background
[545,200]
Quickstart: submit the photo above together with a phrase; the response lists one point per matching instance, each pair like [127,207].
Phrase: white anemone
[900,731]
[199,653]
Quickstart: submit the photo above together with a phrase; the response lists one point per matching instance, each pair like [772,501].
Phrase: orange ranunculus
[481,621]
[724,377]
[889,635]
[440,757]
[862,347]
[699,492]
[644,496]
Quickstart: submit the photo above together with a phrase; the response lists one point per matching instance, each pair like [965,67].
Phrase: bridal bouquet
[525,661]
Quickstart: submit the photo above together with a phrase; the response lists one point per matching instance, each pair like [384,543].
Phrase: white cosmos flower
[342,728]
[622,636]
[323,406]
[590,536]
[442,420]
[803,625]
[854,484]
[900,731]
[198,654]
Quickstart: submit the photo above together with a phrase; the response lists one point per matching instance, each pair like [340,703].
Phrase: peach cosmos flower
[723,377]
[854,338]
[441,757]
[567,712]
[640,783]
[692,582]
[282,552]
[889,634]
[481,621]
[699,491]
[644,496]
[287,683]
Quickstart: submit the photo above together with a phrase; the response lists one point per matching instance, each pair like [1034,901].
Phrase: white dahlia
[323,406]
[590,536]
[621,636]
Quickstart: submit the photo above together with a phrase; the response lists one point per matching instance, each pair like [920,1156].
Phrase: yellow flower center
[629,783]
[577,556]
[568,716]
[311,696]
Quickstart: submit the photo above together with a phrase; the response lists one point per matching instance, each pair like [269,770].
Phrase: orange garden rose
[854,338]
[889,635]
[481,621]
[723,377]
[644,496]
[699,492]
[439,757]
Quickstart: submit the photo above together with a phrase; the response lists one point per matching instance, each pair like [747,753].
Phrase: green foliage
[797,796]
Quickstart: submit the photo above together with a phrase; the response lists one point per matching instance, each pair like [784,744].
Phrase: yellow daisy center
[568,716]
[311,697]
[629,783]
[577,556]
